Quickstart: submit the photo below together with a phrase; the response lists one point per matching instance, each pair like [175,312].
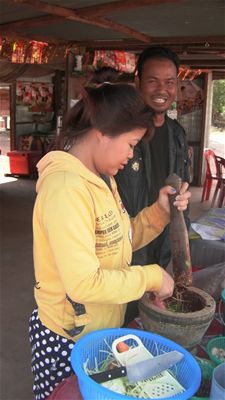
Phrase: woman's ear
[99,135]
[102,138]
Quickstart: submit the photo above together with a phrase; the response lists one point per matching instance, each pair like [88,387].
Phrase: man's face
[158,84]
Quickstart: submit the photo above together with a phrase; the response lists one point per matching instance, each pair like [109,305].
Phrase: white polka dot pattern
[50,357]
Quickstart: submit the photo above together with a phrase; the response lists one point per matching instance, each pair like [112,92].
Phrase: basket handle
[122,357]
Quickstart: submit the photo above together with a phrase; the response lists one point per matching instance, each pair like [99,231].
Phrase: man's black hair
[159,53]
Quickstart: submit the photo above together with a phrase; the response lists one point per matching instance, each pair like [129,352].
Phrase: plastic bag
[210,279]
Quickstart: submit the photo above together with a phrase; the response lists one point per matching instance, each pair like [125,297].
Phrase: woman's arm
[151,221]
[69,222]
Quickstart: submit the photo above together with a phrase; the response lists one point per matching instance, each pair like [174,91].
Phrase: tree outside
[218,114]
[217,131]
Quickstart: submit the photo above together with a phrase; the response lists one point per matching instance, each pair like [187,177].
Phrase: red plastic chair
[212,173]
[220,186]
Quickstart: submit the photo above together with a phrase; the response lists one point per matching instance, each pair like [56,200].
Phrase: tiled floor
[16,290]
[196,207]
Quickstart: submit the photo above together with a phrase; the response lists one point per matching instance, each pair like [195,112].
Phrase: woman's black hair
[157,52]
[112,109]
[104,74]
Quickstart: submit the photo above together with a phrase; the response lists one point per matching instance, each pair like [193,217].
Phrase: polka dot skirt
[50,357]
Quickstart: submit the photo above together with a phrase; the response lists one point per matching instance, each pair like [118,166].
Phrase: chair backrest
[220,161]
[212,165]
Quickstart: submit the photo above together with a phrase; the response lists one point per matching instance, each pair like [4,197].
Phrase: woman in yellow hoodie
[83,236]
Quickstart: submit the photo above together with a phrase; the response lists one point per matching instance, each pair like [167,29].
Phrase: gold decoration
[135,166]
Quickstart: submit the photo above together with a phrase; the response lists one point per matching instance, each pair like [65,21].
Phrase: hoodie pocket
[75,317]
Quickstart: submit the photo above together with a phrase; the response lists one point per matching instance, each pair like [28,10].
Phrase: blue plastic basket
[187,372]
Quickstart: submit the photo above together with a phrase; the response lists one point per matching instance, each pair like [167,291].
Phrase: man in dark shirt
[139,183]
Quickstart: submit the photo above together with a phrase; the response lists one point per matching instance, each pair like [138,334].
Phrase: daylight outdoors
[217,130]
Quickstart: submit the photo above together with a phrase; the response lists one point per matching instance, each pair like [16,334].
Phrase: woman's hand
[181,199]
[165,291]
[167,286]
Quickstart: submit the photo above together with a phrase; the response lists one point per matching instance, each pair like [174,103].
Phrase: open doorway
[4,118]
[5,126]
[217,128]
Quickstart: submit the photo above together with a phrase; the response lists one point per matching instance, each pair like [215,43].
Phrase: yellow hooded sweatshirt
[83,240]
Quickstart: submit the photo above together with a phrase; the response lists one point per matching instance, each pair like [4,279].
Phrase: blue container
[218,383]
[223,302]
[89,348]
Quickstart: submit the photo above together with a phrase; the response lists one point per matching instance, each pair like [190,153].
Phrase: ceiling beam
[125,29]
[218,74]
[83,13]
[31,22]
[114,6]
[73,15]
[185,45]
[204,63]
[206,40]
[45,20]
[206,43]
[23,37]
[66,13]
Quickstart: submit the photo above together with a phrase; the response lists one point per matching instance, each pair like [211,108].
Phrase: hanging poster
[190,96]
[120,60]
[37,96]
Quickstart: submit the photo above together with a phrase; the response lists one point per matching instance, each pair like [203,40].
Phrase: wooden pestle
[179,241]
